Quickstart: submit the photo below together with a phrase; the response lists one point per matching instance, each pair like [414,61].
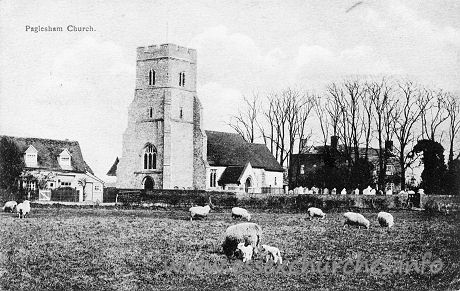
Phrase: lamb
[247,251]
[238,212]
[247,232]
[200,211]
[385,219]
[9,206]
[352,218]
[23,208]
[315,212]
[272,252]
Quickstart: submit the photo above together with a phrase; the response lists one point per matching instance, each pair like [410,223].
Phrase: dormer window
[65,160]
[30,157]
[182,79]
[151,77]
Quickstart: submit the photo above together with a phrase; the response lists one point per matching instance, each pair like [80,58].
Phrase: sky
[78,85]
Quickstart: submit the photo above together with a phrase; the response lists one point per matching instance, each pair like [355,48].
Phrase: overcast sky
[78,85]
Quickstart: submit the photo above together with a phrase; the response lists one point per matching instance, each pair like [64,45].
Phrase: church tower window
[151,77]
[182,79]
[150,157]
[150,112]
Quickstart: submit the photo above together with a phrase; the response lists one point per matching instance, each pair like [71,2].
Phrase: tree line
[363,114]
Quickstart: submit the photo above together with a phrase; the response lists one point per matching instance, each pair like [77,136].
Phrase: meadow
[59,248]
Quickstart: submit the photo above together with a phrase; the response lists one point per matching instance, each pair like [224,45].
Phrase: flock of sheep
[244,239]
[22,209]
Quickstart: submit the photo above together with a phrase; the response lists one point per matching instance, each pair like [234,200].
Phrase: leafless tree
[245,122]
[407,113]
[434,114]
[453,109]
[380,95]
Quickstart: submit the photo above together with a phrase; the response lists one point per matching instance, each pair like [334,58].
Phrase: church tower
[164,145]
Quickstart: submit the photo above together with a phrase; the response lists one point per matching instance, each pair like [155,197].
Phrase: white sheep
[353,218]
[246,232]
[272,252]
[10,206]
[200,211]
[247,251]
[23,209]
[238,212]
[385,219]
[343,192]
[315,212]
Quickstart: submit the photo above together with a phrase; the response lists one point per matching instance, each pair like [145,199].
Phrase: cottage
[52,164]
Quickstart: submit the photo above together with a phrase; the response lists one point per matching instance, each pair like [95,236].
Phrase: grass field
[109,249]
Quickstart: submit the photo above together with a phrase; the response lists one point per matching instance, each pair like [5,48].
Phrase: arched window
[150,112]
[150,157]
[151,77]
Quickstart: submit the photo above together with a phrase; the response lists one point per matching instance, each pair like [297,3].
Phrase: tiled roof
[230,149]
[113,169]
[231,175]
[49,150]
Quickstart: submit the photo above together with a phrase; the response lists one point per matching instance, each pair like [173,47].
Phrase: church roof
[230,149]
[113,169]
[48,151]
[231,175]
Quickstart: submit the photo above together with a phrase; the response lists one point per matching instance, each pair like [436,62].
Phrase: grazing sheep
[238,212]
[343,192]
[246,251]
[246,232]
[385,219]
[23,208]
[9,206]
[272,252]
[315,212]
[200,211]
[352,218]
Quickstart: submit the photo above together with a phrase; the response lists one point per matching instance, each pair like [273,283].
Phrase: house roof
[48,151]
[230,149]
[231,175]
[113,169]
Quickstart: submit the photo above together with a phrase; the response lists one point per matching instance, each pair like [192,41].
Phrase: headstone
[326,191]
[343,192]
[334,191]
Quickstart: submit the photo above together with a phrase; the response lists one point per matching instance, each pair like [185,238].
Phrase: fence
[66,194]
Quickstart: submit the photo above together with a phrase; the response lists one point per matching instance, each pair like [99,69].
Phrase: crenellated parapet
[166,50]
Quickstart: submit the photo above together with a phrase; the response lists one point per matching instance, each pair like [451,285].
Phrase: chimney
[388,147]
[334,141]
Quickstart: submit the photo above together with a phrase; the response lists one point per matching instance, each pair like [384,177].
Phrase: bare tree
[245,122]
[410,107]
[434,113]
[380,95]
[453,109]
